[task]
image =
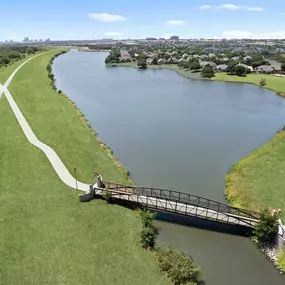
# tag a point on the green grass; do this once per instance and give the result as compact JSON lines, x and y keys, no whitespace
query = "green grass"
{"x":57,"y":123}
{"x":274,"y":83}
{"x":174,"y":67}
{"x":5,"y":72}
{"x":46,"y":235}
{"x":281,"y":260}
{"x":258,"y":180}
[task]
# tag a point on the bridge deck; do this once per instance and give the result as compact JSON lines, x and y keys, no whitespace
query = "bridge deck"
{"x":181,"y":203}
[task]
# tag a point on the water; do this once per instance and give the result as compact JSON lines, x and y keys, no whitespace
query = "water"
{"x":175,"y":133}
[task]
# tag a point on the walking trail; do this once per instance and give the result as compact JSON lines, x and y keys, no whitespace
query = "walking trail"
{"x":52,"y":156}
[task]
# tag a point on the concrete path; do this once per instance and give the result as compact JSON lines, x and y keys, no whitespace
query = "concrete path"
{"x":52,"y":156}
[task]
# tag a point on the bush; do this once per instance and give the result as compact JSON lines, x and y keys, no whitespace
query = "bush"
{"x":262,"y":82}
{"x":178,"y":266}
{"x":147,"y":218}
{"x":107,"y":196}
{"x":208,"y":72}
{"x":148,"y":237}
{"x":265,"y":232}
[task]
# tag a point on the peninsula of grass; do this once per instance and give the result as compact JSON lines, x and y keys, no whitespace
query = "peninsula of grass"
{"x":56,"y":122}
{"x":175,"y":67}
{"x":274,"y":83}
{"x":46,"y":235}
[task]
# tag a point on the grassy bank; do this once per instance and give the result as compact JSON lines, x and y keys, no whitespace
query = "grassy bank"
{"x":174,"y":67}
{"x":47,"y":236}
{"x":274,"y":83}
{"x":57,"y":124}
{"x":257,"y":181}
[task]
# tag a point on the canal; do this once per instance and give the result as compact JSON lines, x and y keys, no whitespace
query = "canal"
{"x":175,"y":133}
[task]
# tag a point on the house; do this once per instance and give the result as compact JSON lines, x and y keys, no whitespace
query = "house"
{"x":161,"y":61}
{"x":205,"y":63}
{"x":264,"y":69}
{"x":247,"y":57}
{"x":149,"y":61}
{"x":125,"y":56}
{"x":235,"y":58}
{"x":246,"y":66}
{"x":225,"y":59}
{"x":275,"y":65}
{"x":221,"y":68}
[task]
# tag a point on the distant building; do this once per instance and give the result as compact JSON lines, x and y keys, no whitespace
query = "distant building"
{"x":26,"y":40}
{"x":174,"y":38}
{"x":151,"y":39}
{"x":47,"y":40}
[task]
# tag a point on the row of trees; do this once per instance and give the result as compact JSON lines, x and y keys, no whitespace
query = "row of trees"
{"x":177,"y":265}
{"x":10,"y":54}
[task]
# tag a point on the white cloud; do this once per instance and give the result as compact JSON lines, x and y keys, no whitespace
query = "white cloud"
{"x":229,"y":7}
{"x":205,"y":7}
{"x":232,"y":7}
{"x":174,"y":22}
{"x":250,"y":35}
{"x":104,"y":17}
{"x":254,"y":8}
{"x":112,"y":34}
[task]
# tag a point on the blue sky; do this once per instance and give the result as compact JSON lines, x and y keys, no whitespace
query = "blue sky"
{"x":94,"y":19}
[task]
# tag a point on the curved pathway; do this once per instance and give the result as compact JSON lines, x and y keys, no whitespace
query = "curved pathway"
{"x":52,"y":156}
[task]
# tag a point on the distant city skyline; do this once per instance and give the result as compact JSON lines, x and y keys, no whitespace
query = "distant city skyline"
{"x":141,"y":19}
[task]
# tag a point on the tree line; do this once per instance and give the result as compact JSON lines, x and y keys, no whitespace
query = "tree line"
{"x":10,"y":54}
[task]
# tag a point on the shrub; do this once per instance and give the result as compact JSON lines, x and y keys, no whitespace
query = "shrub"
{"x":147,"y":218}
{"x":178,"y":266}
{"x":262,"y":82}
{"x":148,"y":237}
{"x":107,"y":196}
{"x":265,"y":232}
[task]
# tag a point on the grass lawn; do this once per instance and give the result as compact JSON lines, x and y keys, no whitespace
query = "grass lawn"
{"x":5,"y":72}
{"x":258,"y":180}
{"x":281,"y":260}
{"x":46,"y":235}
{"x":56,"y":123}
{"x":174,"y":67}
{"x":275,"y":83}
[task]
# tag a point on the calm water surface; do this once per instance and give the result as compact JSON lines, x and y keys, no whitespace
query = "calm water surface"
{"x":175,"y":133}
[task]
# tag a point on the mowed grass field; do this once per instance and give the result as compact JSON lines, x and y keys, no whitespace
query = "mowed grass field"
{"x":257,"y":181}
{"x":46,"y":235}
{"x":56,"y":123}
{"x":274,"y":83}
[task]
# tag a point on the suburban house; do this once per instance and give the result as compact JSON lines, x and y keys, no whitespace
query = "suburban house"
{"x":246,"y":66}
{"x":125,"y":56}
{"x":275,"y":65}
{"x":221,"y":68}
{"x":264,"y":69}
{"x":205,"y":63}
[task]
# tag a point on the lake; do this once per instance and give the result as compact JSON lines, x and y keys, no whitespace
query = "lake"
{"x":176,"y":133}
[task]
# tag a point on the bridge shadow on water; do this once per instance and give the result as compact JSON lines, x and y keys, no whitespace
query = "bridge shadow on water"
{"x":201,"y":223}
{"x":189,"y":221}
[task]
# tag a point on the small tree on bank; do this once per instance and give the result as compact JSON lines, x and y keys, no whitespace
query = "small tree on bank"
{"x":208,"y":72}
{"x":149,"y":232}
{"x":178,"y":266}
{"x":266,"y":230}
{"x":142,"y":63}
{"x":262,"y":82}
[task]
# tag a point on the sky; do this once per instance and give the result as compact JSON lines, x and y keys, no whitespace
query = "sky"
{"x":122,"y":19}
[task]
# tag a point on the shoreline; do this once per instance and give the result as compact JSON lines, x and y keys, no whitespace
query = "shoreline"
{"x":88,"y":127}
{"x":230,"y":191}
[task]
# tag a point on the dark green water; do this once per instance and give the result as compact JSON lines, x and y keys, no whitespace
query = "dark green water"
{"x":175,"y":133}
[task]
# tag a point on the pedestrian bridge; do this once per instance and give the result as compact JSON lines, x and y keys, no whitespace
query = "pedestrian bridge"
{"x":175,"y":202}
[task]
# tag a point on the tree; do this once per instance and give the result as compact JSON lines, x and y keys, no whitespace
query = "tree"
{"x":207,"y":72}
{"x":148,"y":237}
{"x":141,"y":63}
{"x":267,"y":229}
{"x":262,"y":82}
{"x":178,"y":266}
{"x":194,"y":65}
{"x":283,"y":67}
{"x":240,"y":70}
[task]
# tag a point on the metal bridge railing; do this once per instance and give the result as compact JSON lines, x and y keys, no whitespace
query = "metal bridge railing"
{"x":184,"y":198}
